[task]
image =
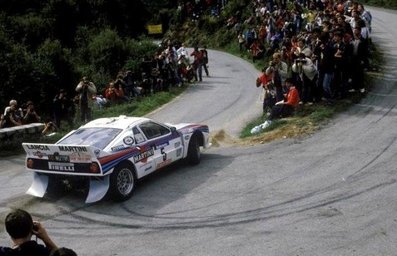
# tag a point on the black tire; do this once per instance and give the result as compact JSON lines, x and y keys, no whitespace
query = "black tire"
{"x":122,"y":182}
{"x":193,"y":152}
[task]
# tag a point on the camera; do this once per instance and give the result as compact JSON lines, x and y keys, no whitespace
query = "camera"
{"x":35,"y":227}
{"x":301,"y":60}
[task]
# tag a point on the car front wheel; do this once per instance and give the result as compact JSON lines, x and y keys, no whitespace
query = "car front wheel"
{"x":122,"y":182}
{"x":193,"y":153}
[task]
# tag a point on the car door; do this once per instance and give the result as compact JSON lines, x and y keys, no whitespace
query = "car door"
{"x":164,"y":141}
{"x":144,"y":159}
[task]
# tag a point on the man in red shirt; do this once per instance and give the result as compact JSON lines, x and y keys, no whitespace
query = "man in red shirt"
{"x":285,"y":107}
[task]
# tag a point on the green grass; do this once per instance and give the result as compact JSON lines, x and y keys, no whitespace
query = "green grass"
{"x":246,"y":132}
{"x":141,"y":106}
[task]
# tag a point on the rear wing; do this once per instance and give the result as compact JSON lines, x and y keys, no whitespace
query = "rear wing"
{"x":63,"y":159}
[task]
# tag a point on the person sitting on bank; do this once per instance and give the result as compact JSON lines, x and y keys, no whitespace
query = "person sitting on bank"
{"x":21,"y":227}
{"x":285,"y":107}
{"x":12,"y":115}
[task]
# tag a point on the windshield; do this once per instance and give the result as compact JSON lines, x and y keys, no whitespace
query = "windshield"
{"x":97,"y":137}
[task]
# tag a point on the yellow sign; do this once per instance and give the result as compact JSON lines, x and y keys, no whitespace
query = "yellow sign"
{"x":155,"y":29}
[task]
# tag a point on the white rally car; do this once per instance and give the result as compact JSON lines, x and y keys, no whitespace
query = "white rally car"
{"x":113,"y":153}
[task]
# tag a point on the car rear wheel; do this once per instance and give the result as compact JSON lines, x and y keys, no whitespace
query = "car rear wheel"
{"x":193,"y":153}
{"x":56,"y":187}
{"x":122,"y":182}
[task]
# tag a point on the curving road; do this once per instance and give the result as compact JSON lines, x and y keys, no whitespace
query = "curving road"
{"x":329,"y":194}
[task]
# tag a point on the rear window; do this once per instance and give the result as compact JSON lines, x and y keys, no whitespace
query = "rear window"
{"x":97,"y":137}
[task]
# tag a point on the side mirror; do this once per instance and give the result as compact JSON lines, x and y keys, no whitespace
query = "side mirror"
{"x":173,"y":129}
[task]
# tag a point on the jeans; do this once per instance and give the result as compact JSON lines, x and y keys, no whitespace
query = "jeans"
{"x":327,"y":82}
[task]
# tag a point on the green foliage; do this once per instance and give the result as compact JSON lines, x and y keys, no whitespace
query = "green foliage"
{"x":29,"y":29}
{"x":48,"y":45}
{"x":106,"y":51}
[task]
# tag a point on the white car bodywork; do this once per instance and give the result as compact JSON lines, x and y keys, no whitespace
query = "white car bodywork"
{"x":133,"y":147}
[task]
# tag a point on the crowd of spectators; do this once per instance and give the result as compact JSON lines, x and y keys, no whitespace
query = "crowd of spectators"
{"x":171,"y":66}
{"x":322,"y":45}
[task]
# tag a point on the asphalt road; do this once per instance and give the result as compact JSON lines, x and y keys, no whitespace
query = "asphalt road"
{"x":332,"y":193}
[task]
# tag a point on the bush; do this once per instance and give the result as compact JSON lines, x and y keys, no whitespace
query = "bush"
{"x":106,"y":51}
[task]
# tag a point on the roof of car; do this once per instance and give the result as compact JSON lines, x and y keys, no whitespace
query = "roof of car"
{"x":120,"y":122}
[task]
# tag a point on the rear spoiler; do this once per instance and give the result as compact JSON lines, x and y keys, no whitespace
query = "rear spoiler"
{"x":66,"y":160}
{"x":63,"y":159}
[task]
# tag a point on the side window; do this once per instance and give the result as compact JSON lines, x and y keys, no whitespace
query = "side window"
{"x":138,"y":136}
{"x":153,"y":130}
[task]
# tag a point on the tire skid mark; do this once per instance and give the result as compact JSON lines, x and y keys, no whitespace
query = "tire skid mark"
{"x":259,"y":214}
{"x":373,"y":159}
{"x":385,"y":114}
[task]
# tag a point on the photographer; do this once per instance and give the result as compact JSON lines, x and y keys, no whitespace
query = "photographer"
{"x":86,"y":90}
{"x":306,"y":73}
{"x":30,"y":115}
{"x":21,"y":227}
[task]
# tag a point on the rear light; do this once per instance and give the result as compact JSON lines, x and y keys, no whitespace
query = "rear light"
{"x":94,"y":168}
{"x":29,"y":163}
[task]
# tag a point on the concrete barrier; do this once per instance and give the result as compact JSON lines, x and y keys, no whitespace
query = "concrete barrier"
{"x":34,"y":128}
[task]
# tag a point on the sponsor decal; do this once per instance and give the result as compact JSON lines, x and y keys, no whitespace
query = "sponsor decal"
{"x":148,"y":168}
{"x":56,"y":166}
{"x":38,"y":147}
{"x":143,"y":156}
{"x":58,"y":158}
{"x":117,"y":148}
{"x":39,"y":154}
{"x":80,"y":158}
{"x":72,"y":149}
{"x":162,"y":164}
{"x":128,"y":140}
{"x":163,"y":145}
{"x":177,"y":144}
{"x":178,"y":152}
{"x":97,"y":152}
{"x":187,"y":137}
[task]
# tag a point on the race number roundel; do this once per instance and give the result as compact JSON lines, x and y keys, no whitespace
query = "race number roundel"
{"x":128,"y":140}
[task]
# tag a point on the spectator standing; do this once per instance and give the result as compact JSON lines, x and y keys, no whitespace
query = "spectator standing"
{"x":197,"y":64}
{"x":63,"y":108}
{"x":280,"y":66}
{"x":86,"y":90}
{"x":131,"y":89}
{"x":241,"y":41}
{"x":358,"y":56}
{"x":265,"y":80}
{"x":307,"y":75}
{"x":204,"y":52}
{"x":21,"y":227}
{"x":182,"y":51}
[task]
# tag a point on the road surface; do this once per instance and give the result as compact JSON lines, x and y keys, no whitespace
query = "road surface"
{"x":332,"y":193}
